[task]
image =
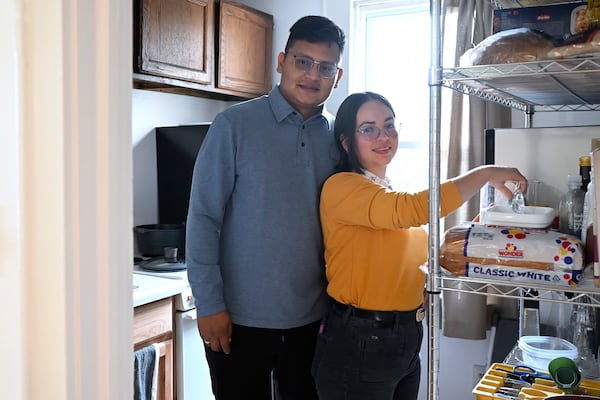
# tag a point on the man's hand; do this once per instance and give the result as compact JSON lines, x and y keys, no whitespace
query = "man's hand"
{"x":215,"y":331}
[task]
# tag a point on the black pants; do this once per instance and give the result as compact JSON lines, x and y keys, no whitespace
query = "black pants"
{"x":256,"y":353}
{"x":359,"y":359}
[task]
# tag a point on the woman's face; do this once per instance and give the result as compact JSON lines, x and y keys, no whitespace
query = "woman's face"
{"x":376,"y":136}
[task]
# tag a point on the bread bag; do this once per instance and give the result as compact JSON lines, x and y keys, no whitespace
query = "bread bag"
{"x":510,"y":46}
{"x":510,"y":253}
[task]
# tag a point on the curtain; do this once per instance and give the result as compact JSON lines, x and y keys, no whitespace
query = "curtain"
{"x":470,"y":116}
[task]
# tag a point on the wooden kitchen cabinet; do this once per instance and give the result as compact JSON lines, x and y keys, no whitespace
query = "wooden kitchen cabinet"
{"x":245,"y":43}
{"x":153,"y":324}
{"x":202,"y":48}
{"x":176,"y":39}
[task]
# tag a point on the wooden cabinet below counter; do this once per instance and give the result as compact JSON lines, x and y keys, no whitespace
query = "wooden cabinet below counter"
{"x":153,"y":324}
{"x":219,"y":50}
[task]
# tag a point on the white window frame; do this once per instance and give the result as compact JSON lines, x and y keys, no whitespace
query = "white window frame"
{"x":361,"y":11}
{"x":415,"y":148}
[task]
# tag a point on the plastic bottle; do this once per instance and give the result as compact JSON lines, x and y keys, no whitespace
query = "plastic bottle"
{"x":585,"y":168}
{"x":570,"y":209}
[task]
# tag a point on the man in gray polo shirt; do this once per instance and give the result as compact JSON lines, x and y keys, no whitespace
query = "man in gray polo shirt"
{"x":254,"y":249}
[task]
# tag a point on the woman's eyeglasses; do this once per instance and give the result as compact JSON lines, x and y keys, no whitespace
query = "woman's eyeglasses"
{"x":372,"y":132}
{"x":326,"y":70}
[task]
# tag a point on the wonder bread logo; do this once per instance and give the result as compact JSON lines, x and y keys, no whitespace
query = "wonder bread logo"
{"x":511,"y":250}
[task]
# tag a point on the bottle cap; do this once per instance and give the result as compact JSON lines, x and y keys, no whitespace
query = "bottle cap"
{"x":585,"y":161}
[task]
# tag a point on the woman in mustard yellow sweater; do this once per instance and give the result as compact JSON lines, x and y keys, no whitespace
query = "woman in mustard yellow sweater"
{"x":369,"y":345}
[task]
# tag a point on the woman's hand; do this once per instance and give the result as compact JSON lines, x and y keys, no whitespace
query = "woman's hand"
{"x":498,"y":176}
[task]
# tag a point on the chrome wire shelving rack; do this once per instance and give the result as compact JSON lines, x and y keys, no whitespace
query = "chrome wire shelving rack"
{"x":553,"y":85}
{"x":583,"y":293}
{"x":536,"y":86}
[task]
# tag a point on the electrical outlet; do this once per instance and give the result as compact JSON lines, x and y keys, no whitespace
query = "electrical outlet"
{"x":478,"y":372}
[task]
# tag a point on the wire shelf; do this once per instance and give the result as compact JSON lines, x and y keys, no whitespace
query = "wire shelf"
{"x":584,"y":293}
{"x":554,"y":85}
{"x":523,"y":3}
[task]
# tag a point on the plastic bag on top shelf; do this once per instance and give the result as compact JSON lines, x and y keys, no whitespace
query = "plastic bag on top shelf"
{"x":580,"y":44}
{"x":510,"y":46}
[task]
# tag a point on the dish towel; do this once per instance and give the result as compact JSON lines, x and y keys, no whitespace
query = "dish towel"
{"x":146,"y":373}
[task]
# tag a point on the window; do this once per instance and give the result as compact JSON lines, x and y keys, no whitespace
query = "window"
{"x":390,"y":54}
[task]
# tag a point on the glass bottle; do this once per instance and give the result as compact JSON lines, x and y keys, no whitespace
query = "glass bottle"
{"x":583,"y":339}
{"x":585,"y":167}
{"x":570,"y":209}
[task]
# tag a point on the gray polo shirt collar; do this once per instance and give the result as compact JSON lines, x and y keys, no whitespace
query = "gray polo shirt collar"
{"x":282,"y":109}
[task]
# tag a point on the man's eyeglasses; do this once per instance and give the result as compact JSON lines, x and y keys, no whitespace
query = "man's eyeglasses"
{"x":372,"y":132}
{"x":326,"y":70}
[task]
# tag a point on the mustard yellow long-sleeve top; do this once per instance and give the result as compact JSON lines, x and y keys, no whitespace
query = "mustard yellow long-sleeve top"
{"x":374,"y":242}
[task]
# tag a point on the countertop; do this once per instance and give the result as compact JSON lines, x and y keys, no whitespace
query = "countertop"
{"x":148,"y":288}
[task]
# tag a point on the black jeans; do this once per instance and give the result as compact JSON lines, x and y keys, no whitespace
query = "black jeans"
{"x":360,"y":359}
{"x":245,"y":373}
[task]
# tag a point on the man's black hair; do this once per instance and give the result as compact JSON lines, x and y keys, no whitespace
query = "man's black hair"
{"x":316,"y":29}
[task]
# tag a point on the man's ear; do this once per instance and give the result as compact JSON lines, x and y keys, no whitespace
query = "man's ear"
{"x":338,"y":77}
{"x":280,"y":60}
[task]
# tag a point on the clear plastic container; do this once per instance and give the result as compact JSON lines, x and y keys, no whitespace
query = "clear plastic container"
{"x":538,"y":351}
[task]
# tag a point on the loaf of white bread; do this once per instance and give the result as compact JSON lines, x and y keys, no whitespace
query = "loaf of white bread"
{"x":510,"y":46}
{"x":475,"y":244}
{"x":524,"y":44}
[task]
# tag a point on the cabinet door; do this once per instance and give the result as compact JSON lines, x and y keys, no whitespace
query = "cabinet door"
{"x":177,"y":39}
{"x":245,"y":41}
{"x":165,"y":373}
{"x":153,"y":324}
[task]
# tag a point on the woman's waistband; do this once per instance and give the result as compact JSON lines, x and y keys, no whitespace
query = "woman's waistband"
{"x":390,"y":317}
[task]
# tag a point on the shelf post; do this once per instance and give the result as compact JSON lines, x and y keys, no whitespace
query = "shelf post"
{"x":433,"y":279}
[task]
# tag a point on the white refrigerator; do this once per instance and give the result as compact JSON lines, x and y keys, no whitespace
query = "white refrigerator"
{"x":546,"y":156}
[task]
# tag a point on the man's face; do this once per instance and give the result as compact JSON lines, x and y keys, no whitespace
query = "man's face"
{"x":307,"y":90}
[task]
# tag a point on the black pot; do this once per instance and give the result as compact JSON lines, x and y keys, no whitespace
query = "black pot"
{"x":152,"y":239}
